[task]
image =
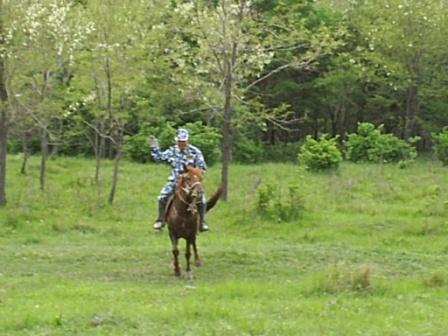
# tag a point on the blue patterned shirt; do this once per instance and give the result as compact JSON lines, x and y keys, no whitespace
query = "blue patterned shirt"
{"x":177,"y":159}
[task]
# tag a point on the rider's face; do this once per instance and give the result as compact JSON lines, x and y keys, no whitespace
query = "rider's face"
{"x":181,"y":144}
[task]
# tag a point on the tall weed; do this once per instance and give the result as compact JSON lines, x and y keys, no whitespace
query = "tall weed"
{"x":274,"y":204}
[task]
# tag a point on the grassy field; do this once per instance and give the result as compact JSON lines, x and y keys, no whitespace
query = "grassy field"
{"x":368,"y":256}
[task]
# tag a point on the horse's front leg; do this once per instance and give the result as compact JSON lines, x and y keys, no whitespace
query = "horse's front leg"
{"x":187,"y":256}
{"x":197,"y":259}
{"x":175,"y":251}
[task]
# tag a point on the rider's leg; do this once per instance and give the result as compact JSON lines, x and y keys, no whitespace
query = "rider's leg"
{"x":202,"y":209}
{"x":163,"y":198}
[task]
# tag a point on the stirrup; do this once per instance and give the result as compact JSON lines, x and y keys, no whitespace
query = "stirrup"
{"x":203,"y":227}
{"x":158,"y":225}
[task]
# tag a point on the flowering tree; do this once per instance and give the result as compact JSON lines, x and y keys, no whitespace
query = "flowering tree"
{"x":125,"y":43}
{"x":51,"y":32}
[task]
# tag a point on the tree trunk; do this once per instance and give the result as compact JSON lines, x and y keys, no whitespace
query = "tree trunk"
{"x":3,"y":140}
{"x":3,"y":121}
{"x":334,"y":120}
{"x":44,"y":156}
{"x":98,"y":149}
{"x":25,"y":152}
{"x":315,"y":125}
{"x":411,"y":111}
{"x":116,"y":167}
{"x":111,"y":153}
{"x":341,"y":125}
{"x":227,"y":131}
{"x":56,"y":146}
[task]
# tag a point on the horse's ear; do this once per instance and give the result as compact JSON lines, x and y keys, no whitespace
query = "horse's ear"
{"x":188,"y":167}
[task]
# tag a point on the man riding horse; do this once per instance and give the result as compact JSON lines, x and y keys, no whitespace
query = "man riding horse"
{"x":178,"y":156}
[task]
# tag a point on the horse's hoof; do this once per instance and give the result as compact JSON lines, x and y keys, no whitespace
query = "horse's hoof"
{"x":177,"y":273}
{"x":198,"y":262}
{"x":190,"y":275}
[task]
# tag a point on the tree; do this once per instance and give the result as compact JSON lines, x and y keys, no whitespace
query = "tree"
{"x":403,"y":38}
{"x":111,"y":72}
{"x":51,"y":33}
{"x":3,"y":109}
{"x":235,"y":44}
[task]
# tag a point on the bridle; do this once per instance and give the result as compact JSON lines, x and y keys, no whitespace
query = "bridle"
{"x":189,"y":190}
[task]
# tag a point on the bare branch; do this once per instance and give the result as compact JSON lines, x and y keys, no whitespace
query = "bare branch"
{"x":281,"y":123}
{"x":105,"y":136}
{"x":283,"y":67}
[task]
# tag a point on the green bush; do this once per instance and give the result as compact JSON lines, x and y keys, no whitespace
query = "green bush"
{"x":320,"y":154}
{"x":441,"y":146}
{"x":273,"y":204}
{"x":369,"y":144}
{"x":206,"y":138}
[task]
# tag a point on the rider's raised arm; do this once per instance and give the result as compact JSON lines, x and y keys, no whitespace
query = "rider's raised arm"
{"x":166,"y":155}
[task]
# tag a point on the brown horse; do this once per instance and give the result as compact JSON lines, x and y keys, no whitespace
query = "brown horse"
{"x":182,"y":215}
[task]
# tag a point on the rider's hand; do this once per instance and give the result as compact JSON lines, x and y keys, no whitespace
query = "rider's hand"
{"x":153,"y":142}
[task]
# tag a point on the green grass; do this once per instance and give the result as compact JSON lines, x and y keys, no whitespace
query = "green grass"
{"x":367,"y":256}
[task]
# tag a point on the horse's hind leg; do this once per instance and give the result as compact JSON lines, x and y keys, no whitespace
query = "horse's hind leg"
{"x":197,"y":259}
{"x":175,"y":256}
{"x":187,"y":256}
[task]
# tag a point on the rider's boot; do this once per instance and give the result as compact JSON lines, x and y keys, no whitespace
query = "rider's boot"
{"x":159,"y":223}
{"x":202,"y":209}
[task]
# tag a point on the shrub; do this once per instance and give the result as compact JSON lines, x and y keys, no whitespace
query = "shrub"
{"x":273,"y":204}
{"x":136,"y":146}
{"x":320,"y":154}
{"x":371,"y":145}
{"x":441,"y":146}
{"x":204,"y":137}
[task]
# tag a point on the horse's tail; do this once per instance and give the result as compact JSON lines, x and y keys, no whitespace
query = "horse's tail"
{"x":214,"y":199}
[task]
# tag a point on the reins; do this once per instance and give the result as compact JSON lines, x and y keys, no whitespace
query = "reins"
{"x":187,"y":190}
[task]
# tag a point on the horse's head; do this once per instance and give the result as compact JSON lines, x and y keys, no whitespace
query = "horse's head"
{"x":189,"y":185}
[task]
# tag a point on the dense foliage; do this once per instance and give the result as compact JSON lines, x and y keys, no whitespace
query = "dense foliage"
{"x":320,"y":154}
{"x":370,"y":144}
{"x":156,"y":75}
